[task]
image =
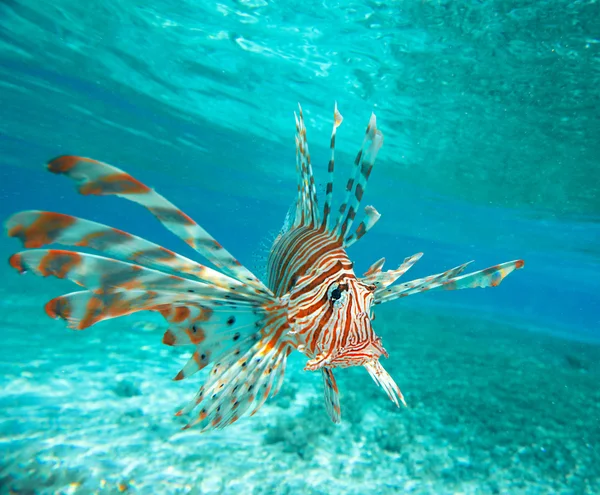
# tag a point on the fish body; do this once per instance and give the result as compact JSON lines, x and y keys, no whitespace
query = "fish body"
{"x":312,"y":300}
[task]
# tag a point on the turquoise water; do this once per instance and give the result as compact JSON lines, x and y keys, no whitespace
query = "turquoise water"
{"x":490,"y":117}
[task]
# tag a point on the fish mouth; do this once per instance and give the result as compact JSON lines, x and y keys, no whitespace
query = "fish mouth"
{"x":371,"y":363}
{"x":362,"y":345}
{"x":345,"y":358}
{"x":358,"y":355}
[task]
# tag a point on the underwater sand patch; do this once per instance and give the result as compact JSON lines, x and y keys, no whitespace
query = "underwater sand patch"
{"x":491,"y":409}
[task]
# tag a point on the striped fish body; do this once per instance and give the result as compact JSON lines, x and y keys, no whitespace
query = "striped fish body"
{"x":328,"y":308}
{"x":241,"y":328}
{"x":296,"y":252}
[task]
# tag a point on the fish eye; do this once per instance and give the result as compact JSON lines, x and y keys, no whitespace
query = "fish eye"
{"x":336,"y":290}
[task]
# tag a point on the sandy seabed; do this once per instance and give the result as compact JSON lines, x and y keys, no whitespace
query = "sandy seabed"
{"x":492,"y":408}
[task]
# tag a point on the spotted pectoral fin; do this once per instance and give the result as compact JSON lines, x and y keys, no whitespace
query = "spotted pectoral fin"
{"x":241,"y":379}
{"x":85,"y":308}
{"x":213,"y":331}
{"x":332,"y":395}
{"x":223,"y":336}
{"x":98,"y":178}
{"x":100,"y":273}
{"x":184,"y":311}
{"x":452,"y":280}
{"x":37,"y":229}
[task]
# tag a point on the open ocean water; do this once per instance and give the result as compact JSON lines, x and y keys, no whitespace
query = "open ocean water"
{"x":491,"y":116}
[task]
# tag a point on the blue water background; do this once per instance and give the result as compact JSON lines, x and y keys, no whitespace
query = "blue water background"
{"x":491,"y":148}
{"x":489,"y":111}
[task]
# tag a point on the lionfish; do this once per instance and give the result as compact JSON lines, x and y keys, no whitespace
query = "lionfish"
{"x":312,"y":301}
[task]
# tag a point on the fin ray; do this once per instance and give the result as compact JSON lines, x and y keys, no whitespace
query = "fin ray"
{"x":307,"y":211}
{"x":97,"y":178}
{"x":381,"y":280}
{"x":357,"y":184}
{"x":337,"y":121}
{"x":332,"y":395}
{"x":106,"y":274}
{"x":489,"y":277}
{"x":37,"y":229}
{"x":382,"y":378}
{"x":372,"y":216}
{"x":241,"y":378}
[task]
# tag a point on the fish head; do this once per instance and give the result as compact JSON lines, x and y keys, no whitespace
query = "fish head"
{"x":355,"y":342}
{"x":334,"y":323}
